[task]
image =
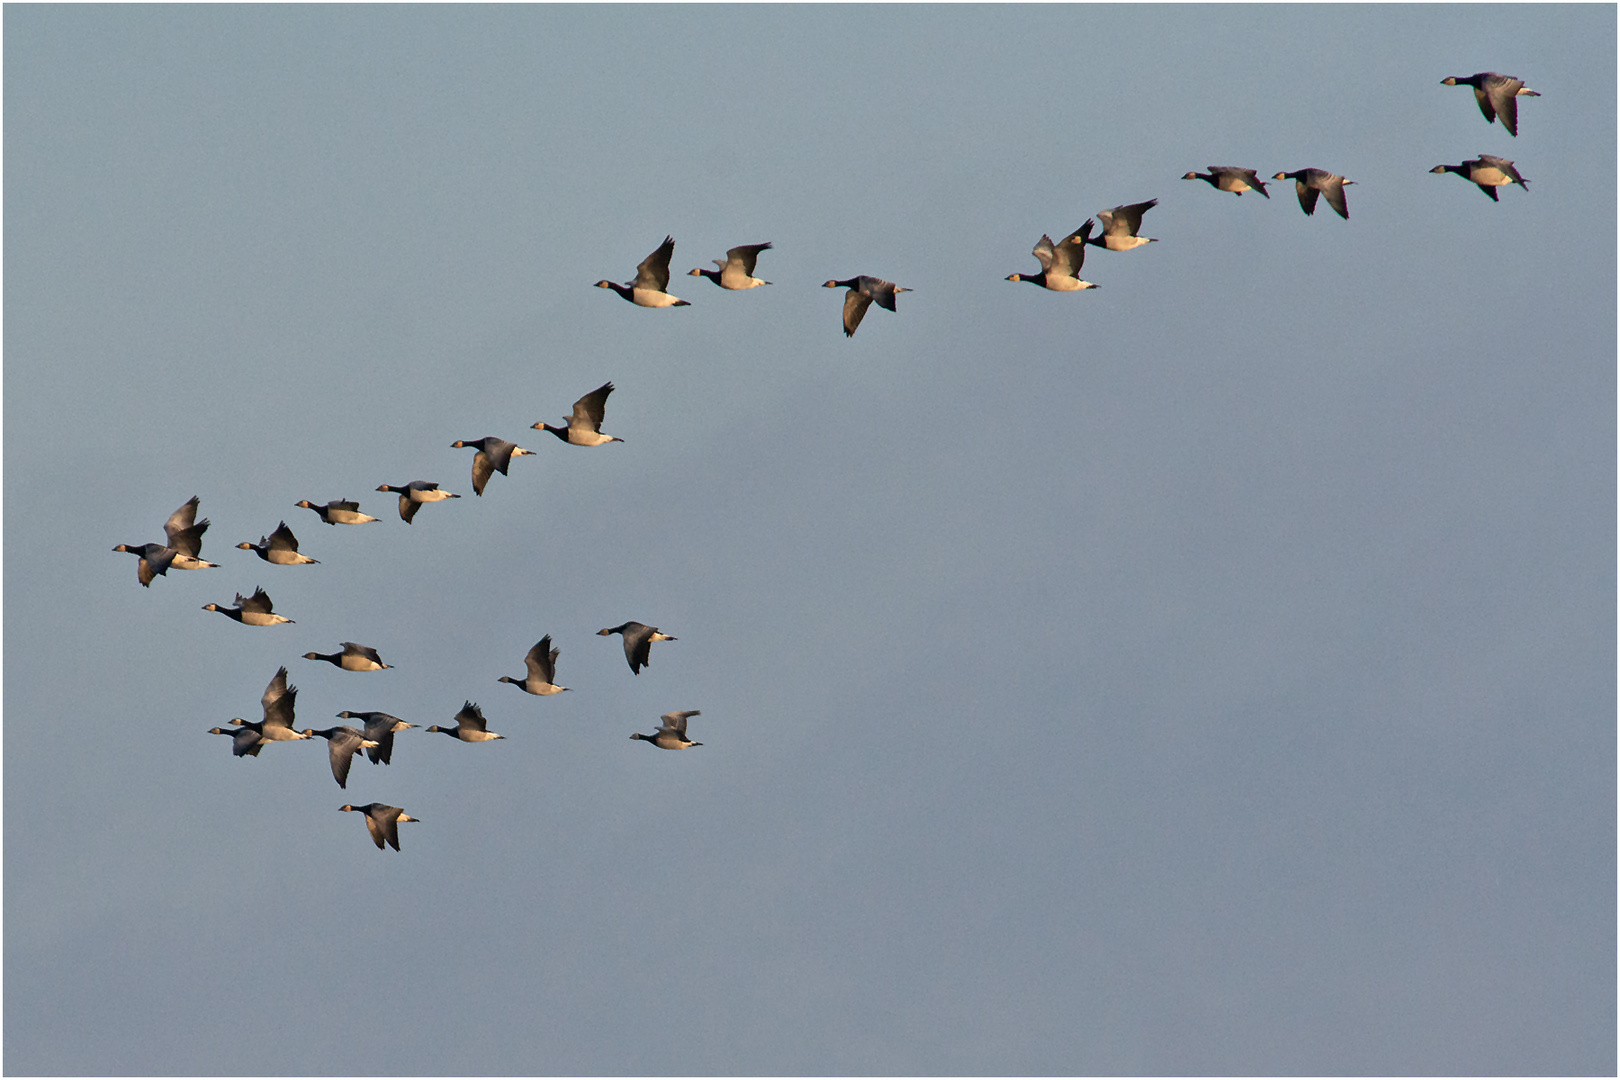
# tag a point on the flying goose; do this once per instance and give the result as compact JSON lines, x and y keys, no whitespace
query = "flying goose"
{"x":244,"y":740}
{"x":342,"y":743}
{"x":154,"y":559}
{"x":1498,"y":96}
{"x":338,"y":512}
{"x":1120,"y":225}
{"x":281,"y":548}
{"x":1230,"y":178}
{"x":737,"y":270}
{"x":1060,"y":263}
{"x":469,"y":726}
{"x":862,"y":291}
{"x":383,"y":821}
{"x":1488,"y":172}
{"x":542,"y":665}
{"x":352,"y":658}
{"x":277,"y":703}
{"x":671,"y":734}
{"x":494,"y":455}
{"x":414,"y":494}
{"x":252,"y":610}
{"x":638,"y":639}
{"x":185,"y":536}
{"x":1309,"y":183}
{"x":380,"y":728}
{"x":584,"y":427}
{"x":652,"y":278}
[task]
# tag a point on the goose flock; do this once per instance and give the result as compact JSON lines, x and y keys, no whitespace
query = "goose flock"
{"x":1060,"y":266}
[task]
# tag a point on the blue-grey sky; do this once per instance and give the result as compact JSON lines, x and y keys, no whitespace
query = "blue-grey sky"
{"x":1211,"y":672}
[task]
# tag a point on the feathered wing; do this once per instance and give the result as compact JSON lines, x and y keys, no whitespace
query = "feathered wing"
{"x":745,"y":256}
{"x":542,"y":660}
{"x":1125,"y":220}
{"x":482,"y":469}
{"x":590,"y":409}
{"x":182,"y":518}
{"x":259,"y":604}
{"x":1044,"y":252}
{"x":471,"y":717}
{"x":283,"y":539}
{"x":676,"y":721}
{"x":855,"y":305}
{"x":279,"y":699}
{"x":653,"y":271}
{"x":1333,"y":188}
{"x":1307,"y":197}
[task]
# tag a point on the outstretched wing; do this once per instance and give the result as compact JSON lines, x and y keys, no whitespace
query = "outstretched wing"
{"x":653,"y":271}
{"x":589,"y":410}
{"x":676,"y":721}
{"x":542,"y":660}
{"x":182,"y":518}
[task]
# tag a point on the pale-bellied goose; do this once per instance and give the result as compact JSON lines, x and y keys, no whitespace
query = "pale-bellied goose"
{"x":737,"y":270}
{"x":1119,"y":227}
{"x":155,"y":559}
{"x":252,"y":610}
{"x":352,"y":658}
{"x":185,"y":536}
{"x":338,"y":512}
{"x":383,"y":821}
{"x":1061,"y":263}
{"x":542,"y":665}
{"x":1309,"y":183}
{"x":652,"y":278}
{"x":280,"y":547}
{"x":244,"y":740}
{"x":863,"y":291}
{"x":638,"y":639}
{"x":1230,"y":178}
{"x":494,"y":455}
{"x":469,"y":726}
{"x":584,"y":428}
{"x":671,"y":734}
{"x":342,"y":743}
{"x":1488,"y":172}
{"x":414,"y":494}
{"x":380,"y":728}
{"x":277,"y":703}
{"x":1498,"y":96}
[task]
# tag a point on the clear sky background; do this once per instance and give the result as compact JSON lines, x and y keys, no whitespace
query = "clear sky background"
{"x":1212,"y":672}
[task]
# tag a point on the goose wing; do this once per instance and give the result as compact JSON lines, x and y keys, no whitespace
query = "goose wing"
{"x":676,"y":721}
{"x":653,"y":271}
{"x":744,"y":256}
{"x":1125,"y":220}
{"x":365,"y":651}
{"x":188,"y":541}
{"x":1333,"y":188}
{"x":471,"y":717}
{"x":279,"y":701}
{"x":283,"y":539}
{"x":589,"y":410}
{"x":245,"y":742}
{"x":482,"y":469}
{"x":1070,"y":255}
{"x":259,"y":604}
{"x":1045,"y":252}
{"x":155,"y":560}
{"x":1307,"y":196}
{"x":542,"y":660}
{"x":182,"y":518}
{"x":855,"y":304}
